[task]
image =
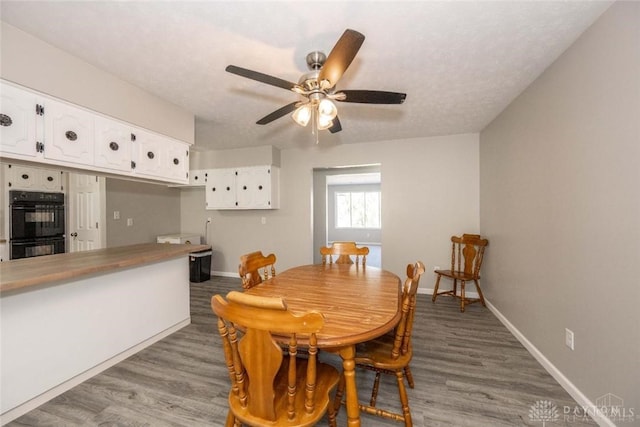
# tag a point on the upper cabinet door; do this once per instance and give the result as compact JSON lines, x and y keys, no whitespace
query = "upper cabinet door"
{"x":148,"y":153}
{"x":177,"y":161}
{"x":113,"y":145}
{"x":68,"y":132}
{"x":221,"y":189}
{"x":17,"y":121}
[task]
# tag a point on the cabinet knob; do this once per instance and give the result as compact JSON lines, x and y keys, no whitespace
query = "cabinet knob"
{"x":213,"y":189}
{"x":71,"y":135}
{"x":244,"y":187}
{"x":25,"y":176}
{"x":49,"y":178}
{"x":259,"y":187}
{"x":114,"y":145}
{"x":150,"y":154}
{"x":228,"y":188}
{"x":176,"y":161}
{"x":5,"y":120}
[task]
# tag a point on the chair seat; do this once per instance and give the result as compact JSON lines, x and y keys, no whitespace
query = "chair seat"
{"x":458,"y":275}
{"x":327,"y":379}
{"x":378,"y":353}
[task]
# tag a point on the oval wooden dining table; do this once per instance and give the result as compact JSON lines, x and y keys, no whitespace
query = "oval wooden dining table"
{"x":359,"y":303}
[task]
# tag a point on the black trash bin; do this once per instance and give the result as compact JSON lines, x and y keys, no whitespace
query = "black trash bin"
{"x":199,"y":266}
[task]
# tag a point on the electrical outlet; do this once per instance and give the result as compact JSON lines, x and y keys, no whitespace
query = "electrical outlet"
{"x":568,"y":338}
{"x":264,"y":220}
{"x":129,"y":222}
{"x":436,"y":267}
{"x":116,"y":214}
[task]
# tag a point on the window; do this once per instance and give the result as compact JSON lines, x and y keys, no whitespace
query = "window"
{"x":358,"y":209}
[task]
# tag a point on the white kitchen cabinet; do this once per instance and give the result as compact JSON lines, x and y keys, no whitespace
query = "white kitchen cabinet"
{"x":198,"y":177}
{"x":253,"y":187}
{"x":68,"y":133}
{"x":160,"y":157}
{"x":113,"y":145}
{"x":177,"y":160}
{"x":42,"y":129}
{"x":29,"y":178}
{"x":148,"y":154}
{"x":18,"y":121}
{"x":220,"y":189}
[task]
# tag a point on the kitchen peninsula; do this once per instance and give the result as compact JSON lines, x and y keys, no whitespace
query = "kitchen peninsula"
{"x":66,"y":317}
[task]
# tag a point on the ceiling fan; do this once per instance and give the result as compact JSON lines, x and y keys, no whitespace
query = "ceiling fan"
{"x":318,"y":87}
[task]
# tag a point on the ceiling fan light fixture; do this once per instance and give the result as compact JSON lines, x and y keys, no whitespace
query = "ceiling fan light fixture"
{"x":324,"y":122}
{"x":328,"y":109}
{"x":302,"y":115}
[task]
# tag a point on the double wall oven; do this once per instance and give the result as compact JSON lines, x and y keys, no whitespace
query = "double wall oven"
{"x":37,"y":223}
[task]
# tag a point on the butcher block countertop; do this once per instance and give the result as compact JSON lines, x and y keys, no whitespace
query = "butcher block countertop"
{"x":23,"y":273}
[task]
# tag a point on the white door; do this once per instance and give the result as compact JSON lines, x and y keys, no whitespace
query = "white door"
{"x":86,"y":228}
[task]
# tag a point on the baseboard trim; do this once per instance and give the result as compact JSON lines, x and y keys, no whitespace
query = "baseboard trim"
{"x":564,"y":382}
{"x":225,"y":274}
{"x":32,"y":404}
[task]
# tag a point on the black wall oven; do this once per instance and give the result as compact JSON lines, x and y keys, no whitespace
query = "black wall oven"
{"x":37,"y":223}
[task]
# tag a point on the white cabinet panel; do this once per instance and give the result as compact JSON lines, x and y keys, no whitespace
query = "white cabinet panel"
{"x":254,"y":187}
{"x":17,"y":121}
{"x":148,"y":151}
{"x":113,"y":145}
{"x":177,"y":160}
{"x":198,"y":177}
{"x":68,"y":133}
{"x":21,"y":177}
{"x":221,"y":189}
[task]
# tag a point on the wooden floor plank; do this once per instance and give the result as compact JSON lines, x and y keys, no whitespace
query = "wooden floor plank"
{"x":469,"y":371}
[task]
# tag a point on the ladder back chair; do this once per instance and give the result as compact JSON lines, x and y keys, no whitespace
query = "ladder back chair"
{"x":391,"y":353}
{"x":269,"y":388}
{"x":342,"y":251}
{"x":467,"y":253}
{"x":255,"y":267}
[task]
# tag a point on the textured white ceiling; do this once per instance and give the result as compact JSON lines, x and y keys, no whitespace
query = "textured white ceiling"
{"x":460,"y":63}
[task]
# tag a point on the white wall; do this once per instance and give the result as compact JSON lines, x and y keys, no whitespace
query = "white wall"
{"x":561,"y":207}
{"x":430,"y":191}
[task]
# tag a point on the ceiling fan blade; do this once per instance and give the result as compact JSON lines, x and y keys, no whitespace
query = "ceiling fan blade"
{"x":263,"y":78}
{"x":336,"y":127}
{"x":278,"y":113}
{"x":340,"y":58}
{"x":372,"y":97}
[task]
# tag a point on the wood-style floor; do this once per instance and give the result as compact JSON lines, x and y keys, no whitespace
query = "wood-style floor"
{"x":469,"y":371}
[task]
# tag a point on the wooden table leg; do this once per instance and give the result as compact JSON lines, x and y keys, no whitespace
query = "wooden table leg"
{"x":348,"y":366}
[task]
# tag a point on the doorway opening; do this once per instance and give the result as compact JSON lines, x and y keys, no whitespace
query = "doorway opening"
{"x":347,"y":207}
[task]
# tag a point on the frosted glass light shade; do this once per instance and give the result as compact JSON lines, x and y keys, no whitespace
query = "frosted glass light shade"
{"x":302,"y":115}
{"x":327,"y":108}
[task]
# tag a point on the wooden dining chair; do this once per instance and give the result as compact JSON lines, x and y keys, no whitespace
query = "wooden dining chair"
{"x":343,"y":252}
{"x":467,"y":253}
{"x":255,"y":267}
{"x":269,"y":388}
{"x":391,"y":353}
